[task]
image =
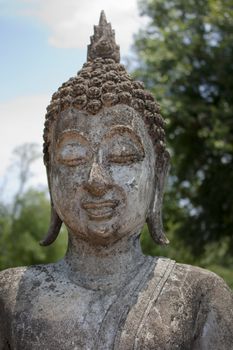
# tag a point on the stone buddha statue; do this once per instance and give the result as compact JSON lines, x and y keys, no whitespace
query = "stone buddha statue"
{"x":106,"y":161}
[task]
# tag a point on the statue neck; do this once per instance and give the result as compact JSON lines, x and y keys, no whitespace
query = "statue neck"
{"x":103,"y":267}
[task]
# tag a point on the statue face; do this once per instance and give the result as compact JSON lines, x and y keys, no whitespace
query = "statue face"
{"x":102,"y":172}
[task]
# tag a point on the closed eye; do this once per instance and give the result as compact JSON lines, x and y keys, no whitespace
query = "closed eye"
{"x":73,"y":149}
{"x":124,"y":158}
{"x":73,"y":154}
{"x":123,"y":146}
{"x":122,"y":151}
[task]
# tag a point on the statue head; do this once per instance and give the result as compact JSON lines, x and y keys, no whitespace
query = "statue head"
{"x":104,"y":150}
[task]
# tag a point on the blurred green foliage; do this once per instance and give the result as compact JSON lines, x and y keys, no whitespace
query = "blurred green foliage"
{"x":185,"y":57}
{"x":20,"y":234}
{"x":24,"y":219}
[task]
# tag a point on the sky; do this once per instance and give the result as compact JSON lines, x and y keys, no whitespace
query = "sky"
{"x":43,"y":44}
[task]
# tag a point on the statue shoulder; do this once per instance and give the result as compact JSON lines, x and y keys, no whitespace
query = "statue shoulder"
{"x":205,"y":280}
{"x":214,"y":301}
{"x":17,"y":286}
{"x":20,"y":280}
{"x":9,"y":281}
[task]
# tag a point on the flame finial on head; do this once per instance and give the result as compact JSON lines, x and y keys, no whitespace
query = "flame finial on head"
{"x":103,"y":42}
{"x":103,"y":19}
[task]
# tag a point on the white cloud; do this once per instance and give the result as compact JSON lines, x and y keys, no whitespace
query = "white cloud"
{"x":71,"y":21}
{"x":22,"y":121}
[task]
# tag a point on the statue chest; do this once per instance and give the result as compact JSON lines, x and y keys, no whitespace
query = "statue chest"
{"x":65,"y":318}
{"x":87,"y":324}
{"x":145,"y":314}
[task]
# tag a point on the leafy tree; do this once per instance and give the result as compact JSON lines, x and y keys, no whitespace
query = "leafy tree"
{"x":20,"y":235}
{"x":185,"y":56}
{"x":24,"y":221}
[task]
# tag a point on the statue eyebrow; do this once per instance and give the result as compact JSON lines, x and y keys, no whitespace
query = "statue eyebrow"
{"x":122,"y":129}
{"x":75,"y":134}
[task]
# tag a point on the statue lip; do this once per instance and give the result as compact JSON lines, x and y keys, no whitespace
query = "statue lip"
{"x":100,"y":210}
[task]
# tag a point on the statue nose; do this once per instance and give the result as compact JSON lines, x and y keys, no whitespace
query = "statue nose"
{"x":99,"y":181}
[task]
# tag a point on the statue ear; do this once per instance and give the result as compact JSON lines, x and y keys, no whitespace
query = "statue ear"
{"x":55,"y":222}
{"x":154,"y":217}
{"x":54,"y":228}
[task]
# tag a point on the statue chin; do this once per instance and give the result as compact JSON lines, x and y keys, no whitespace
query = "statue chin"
{"x":107,"y":230}
{"x":104,"y":232}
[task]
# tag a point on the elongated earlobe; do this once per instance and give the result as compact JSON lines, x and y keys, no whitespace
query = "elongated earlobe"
{"x":154,"y":218}
{"x":55,"y":221}
{"x":54,"y":228}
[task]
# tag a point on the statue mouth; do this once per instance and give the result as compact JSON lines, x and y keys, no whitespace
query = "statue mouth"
{"x":100,"y":210}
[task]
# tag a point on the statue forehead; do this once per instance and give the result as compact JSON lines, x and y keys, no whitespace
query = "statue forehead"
{"x":97,"y":125}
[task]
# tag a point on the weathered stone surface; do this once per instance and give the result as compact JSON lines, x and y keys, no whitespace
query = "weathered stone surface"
{"x":106,"y":162}
{"x":163,"y":306}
